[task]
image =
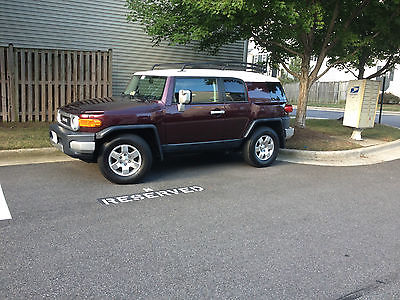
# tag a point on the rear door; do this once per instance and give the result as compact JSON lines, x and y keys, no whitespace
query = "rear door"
{"x":203,"y":118}
{"x":237,"y":107}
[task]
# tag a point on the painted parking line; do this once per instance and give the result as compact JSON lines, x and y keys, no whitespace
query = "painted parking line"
{"x":4,"y":211}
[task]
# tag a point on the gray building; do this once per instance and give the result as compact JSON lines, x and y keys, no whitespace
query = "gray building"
{"x":94,"y":25}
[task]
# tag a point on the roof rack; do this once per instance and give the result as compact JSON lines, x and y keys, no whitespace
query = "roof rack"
{"x":226,"y":65}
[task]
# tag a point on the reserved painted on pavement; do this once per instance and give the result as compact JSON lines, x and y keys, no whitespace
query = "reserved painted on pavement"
{"x":150,"y":194}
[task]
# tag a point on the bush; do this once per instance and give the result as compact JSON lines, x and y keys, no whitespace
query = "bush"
{"x":389,"y":98}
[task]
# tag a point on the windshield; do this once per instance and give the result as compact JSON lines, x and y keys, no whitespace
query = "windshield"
{"x":144,"y":87}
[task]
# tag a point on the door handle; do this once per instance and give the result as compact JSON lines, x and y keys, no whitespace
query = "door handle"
{"x":217,"y":112}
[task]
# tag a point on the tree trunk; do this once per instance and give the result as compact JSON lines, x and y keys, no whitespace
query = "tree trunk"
{"x":304,"y":89}
{"x":361,"y":71}
{"x":362,"y":61}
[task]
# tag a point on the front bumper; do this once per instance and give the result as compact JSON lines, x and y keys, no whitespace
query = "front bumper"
{"x":74,"y":144}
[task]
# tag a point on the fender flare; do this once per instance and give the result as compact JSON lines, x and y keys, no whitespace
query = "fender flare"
{"x":282,"y":123}
{"x":113,"y":129}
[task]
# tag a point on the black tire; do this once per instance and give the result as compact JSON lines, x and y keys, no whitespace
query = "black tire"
{"x":262,"y":148}
{"x":120,"y":163}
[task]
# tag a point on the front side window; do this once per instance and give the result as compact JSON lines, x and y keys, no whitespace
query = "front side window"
{"x":144,"y":87}
{"x":204,"y":90}
{"x":266,"y":91}
{"x":234,"y":90}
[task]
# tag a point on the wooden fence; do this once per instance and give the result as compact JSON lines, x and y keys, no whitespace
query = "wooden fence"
{"x":320,"y":92}
{"x":35,"y":82}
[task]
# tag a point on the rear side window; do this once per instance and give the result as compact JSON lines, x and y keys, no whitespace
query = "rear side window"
{"x":204,"y":90}
{"x":234,"y":90}
{"x":266,"y":91}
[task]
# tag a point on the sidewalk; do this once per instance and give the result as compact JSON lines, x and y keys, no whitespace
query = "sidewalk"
{"x":363,"y":156}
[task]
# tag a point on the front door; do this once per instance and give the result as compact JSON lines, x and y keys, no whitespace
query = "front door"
{"x":203,"y":118}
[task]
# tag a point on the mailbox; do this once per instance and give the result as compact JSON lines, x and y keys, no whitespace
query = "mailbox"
{"x":361,"y":103}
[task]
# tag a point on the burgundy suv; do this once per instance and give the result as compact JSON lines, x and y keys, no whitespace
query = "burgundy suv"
{"x":175,"y":110}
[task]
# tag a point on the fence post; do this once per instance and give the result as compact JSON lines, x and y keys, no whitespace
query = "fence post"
{"x":93,"y":75}
{"x":56,"y":79}
{"x":50,"y":86}
{"x":62,"y":78}
{"x":74,"y":76}
{"x":110,"y":72}
{"x":23,"y":86}
{"x":29,"y":85}
{"x":43,"y":84}
{"x":87,"y":77}
{"x":81,"y":78}
{"x":98,"y":71}
{"x":3,"y":80}
{"x":105,"y":75}
{"x":11,"y":83}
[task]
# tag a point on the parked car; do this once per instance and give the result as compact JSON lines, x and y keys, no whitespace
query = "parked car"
{"x":176,"y":110}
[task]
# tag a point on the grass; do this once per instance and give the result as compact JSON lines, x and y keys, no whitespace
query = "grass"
{"x":331,"y":135}
{"x":318,"y":135}
{"x":24,"y":135}
{"x":390,"y":107}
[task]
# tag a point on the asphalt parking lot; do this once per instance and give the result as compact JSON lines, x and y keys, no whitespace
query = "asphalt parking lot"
{"x":221,"y":229}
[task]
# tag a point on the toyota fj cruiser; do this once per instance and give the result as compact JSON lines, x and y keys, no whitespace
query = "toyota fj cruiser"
{"x":190,"y":108}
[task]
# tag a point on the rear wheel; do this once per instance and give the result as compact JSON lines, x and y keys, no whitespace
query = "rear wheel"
{"x":126,"y":159}
{"x":262,"y":148}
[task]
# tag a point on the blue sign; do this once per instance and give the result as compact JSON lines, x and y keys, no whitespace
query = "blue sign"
{"x":354,"y":90}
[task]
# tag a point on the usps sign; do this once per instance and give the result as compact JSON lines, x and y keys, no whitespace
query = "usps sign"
{"x":354,"y":90}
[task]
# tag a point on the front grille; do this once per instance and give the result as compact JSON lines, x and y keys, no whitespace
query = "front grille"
{"x":64,"y":119}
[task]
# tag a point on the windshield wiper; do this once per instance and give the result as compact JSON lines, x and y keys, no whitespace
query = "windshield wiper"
{"x":138,"y":97}
{"x":126,"y":95}
{"x":133,"y":97}
{"x":145,"y":98}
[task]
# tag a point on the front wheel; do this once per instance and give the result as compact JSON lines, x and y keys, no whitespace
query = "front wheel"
{"x":262,"y":148}
{"x":126,"y":159}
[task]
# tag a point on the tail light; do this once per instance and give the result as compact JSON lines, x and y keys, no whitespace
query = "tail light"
{"x":288,"y":108}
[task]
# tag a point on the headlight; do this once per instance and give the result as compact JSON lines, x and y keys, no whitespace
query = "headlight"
{"x":75,"y":123}
{"x":58,"y":116}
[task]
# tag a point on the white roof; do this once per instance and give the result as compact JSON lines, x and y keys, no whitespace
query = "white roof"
{"x":245,"y":76}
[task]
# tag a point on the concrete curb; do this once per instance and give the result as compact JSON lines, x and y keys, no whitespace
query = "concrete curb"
{"x":31,"y":156}
{"x":333,"y":155}
{"x":362,"y":156}
{"x":31,"y":151}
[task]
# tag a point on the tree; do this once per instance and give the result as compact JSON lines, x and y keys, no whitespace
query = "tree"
{"x":374,"y":37}
{"x":308,"y":29}
{"x":294,"y":66}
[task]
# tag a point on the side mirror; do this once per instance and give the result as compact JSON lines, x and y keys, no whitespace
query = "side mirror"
{"x":185,"y":97}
